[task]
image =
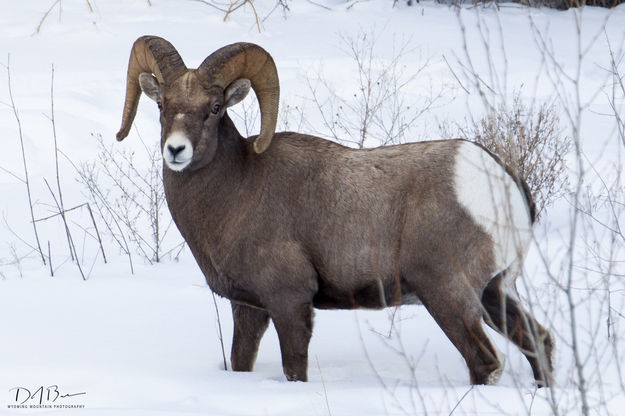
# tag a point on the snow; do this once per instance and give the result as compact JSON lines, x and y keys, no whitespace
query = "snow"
{"x":148,"y":343}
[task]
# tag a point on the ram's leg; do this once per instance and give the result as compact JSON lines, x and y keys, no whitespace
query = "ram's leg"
{"x":249,"y":326}
{"x":457,"y":310}
{"x":294,"y":326}
{"x":504,"y":314}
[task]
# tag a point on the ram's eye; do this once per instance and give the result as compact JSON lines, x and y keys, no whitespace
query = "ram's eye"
{"x":215,"y":109}
{"x":160,"y":105}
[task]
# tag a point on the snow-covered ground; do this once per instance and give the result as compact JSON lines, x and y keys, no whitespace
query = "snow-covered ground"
{"x":148,"y":343}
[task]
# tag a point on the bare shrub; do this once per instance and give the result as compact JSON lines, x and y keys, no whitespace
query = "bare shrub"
{"x":378,"y":111}
{"x":228,"y":7}
{"x":130,"y":200}
{"x":89,"y":3}
{"x":529,"y":140}
{"x":25,"y":180}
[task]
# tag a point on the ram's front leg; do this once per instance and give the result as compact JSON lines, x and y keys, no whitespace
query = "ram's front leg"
{"x":249,"y":326}
{"x":293,"y":323}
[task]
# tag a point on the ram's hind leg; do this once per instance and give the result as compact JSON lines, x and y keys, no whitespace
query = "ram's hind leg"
{"x":505,"y":314}
{"x":459,"y":314}
{"x":249,"y":326}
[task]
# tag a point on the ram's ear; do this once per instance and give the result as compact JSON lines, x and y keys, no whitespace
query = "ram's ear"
{"x":149,"y":85}
{"x":237,"y":91}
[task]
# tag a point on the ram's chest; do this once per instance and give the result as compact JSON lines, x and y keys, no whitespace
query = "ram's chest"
{"x":212,"y":230}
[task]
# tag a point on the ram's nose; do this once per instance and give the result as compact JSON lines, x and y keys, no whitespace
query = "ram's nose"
{"x":175,"y":150}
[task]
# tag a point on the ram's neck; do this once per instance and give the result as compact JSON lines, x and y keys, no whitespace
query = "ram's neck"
{"x":210,"y":204}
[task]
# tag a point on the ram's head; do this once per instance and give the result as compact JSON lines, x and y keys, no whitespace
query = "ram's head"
{"x":193,"y":101}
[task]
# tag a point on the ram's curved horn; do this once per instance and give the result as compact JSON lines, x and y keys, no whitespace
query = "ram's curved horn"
{"x":154,"y":55}
{"x":247,"y":60}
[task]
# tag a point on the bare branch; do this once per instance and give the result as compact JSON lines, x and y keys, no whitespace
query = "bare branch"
{"x":26,"y":181}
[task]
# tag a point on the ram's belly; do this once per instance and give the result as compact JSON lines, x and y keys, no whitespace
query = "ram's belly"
{"x":370,"y":294}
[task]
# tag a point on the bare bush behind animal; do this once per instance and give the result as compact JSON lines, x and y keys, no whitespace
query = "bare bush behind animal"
{"x":377,"y":110}
{"x":529,"y":140}
{"x":130,"y":200}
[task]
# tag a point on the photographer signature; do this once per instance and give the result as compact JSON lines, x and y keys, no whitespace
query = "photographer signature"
{"x":41,"y":395}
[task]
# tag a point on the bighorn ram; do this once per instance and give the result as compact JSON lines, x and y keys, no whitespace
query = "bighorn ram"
{"x":309,"y":223}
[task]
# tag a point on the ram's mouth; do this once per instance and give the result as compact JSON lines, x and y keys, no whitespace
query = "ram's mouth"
{"x":179,"y":161}
{"x":177,"y":164}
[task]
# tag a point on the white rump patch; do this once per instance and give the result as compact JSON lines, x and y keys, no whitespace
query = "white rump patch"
{"x":494,"y":201}
{"x":182,"y":153}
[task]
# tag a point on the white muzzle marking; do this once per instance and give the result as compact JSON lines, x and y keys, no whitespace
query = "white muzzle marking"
{"x":177,"y":151}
